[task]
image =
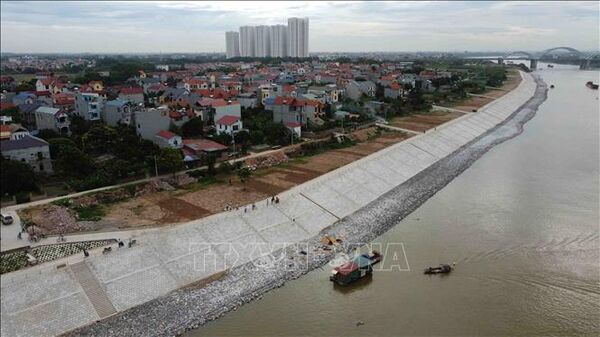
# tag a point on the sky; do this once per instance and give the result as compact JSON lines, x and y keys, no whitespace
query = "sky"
{"x":167,"y":27}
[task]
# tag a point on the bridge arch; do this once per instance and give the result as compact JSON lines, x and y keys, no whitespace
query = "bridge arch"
{"x":519,"y":53}
{"x":592,"y":56}
{"x":572,"y":50}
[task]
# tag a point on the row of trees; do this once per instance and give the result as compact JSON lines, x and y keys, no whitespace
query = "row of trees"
{"x":101,"y":155}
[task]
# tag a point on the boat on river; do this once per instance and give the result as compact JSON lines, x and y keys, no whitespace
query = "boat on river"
{"x":359,"y":267}
{"x":441,"y":269}
{"x":591,"y":85}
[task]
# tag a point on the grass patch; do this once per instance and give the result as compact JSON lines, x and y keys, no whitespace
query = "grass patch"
{"x":65,"y":202}
{"x":90,"y":213}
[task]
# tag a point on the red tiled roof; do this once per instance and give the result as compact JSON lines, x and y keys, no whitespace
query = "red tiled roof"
{"x":228,"y":120}
{"x":132,"y":90}
{"x":196,"y":81}
{"x":166,"y":134}
{"x":6,"y":79}
{"x":63,"y":98}
{"x":6,"y":105}
{"x":395,"y":86}
{"x":4,"y":128}
{"x":219,"y":102}
{"x":293,"y":124}
{"x":47,"y":81}
{"x":42,"y":93}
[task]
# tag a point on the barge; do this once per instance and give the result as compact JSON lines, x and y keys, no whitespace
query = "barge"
{"x":359,"y":267}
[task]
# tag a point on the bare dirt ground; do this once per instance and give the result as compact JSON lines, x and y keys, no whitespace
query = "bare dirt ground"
{"x":162,"y":208}
{"x":474,"y":103}
{"x":424,"y":122}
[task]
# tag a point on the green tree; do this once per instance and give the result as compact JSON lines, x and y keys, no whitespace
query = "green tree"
{"x":242,"y":140}
{"x":193,"y":128}
{"x":57,"y":144}
{"x":169,"y":160}
{"x":16,"y":177}
{"x":171,"y":82}
{"x":14,"y":113}
{"x":100,"y":139}
{"x":47,"y":134}
{"x":244,"y":174}
{"x":210,"y":161}
{"x":276,"y":134}
{"x":71,"y":162}
{"x":174,"y":128}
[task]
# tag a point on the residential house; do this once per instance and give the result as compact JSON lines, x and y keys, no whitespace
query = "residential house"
{"x":5,"y":131}
{"x":296,"y":110}
{"x":247,"y":100}
{"x":96,"y":86}
{"x":355,"y":89}
{"x":24,"y":98}
{"x":211,"y":110}
{"x":12,"y":131}
{"x":64,"y":101}
{"x":198,"y":149}
{"x":28,"y":112}
{"x":28,"y":149}
{"x":17,"y":131}
{"x":134,"y":95}
{"x":165,"y":138}
{"x":149,"y":122}
{"x":394,"y":91}
{"x":196,"y":83}
{"x":45,"y":84}
{"x":228,"y":124}
{"x":329,"y":93}
{"x":88,"y":105}
{"x":117,"y":112}
{"x":47,"y":118}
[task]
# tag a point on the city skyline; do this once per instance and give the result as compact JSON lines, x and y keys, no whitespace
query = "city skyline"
{"x":122,"y":27}
{"x":279,"y":40}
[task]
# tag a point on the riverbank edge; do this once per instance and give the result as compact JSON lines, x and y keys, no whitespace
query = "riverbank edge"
{"x":188,"y":308}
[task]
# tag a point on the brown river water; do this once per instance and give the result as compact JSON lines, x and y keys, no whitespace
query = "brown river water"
{"x":522,"y":225}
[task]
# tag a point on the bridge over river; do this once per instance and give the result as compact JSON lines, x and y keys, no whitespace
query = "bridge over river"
{"x":584,"y":58}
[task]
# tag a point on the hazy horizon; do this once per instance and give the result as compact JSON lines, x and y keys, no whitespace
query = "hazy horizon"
{"x":199,"y":27}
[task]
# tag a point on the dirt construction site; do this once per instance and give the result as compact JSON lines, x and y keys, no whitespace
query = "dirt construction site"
{"x":152,"y":206}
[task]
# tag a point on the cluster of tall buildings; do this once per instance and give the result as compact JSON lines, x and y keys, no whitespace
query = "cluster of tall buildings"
{"x":269,"y":41}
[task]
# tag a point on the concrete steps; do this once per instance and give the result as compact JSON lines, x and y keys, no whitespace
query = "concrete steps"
{"x":93,"y":290}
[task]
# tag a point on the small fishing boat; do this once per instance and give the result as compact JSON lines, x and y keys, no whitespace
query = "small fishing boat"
{"x":441,"y":269}
{"x":551,"y":86}
{"x":550,"y":66}
{"x":359,"y":267}
{"x":591,"y":85}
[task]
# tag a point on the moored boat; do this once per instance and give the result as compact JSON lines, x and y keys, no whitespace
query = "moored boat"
{"x":359,"y":267}
{"x":591,"y":85}
{"x":441,"y":269}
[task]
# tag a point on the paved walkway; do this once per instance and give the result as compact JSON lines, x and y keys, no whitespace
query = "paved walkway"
{"x":395,"y":128}
{"x":439,"y":107}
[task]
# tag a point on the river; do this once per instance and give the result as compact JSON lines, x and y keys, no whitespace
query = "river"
{"x":521,"y":223}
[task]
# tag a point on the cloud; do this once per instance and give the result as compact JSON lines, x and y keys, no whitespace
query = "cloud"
{"x":181,"y":26}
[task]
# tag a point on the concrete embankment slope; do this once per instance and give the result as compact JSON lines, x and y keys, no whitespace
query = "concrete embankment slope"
{"x":49,"y":301}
